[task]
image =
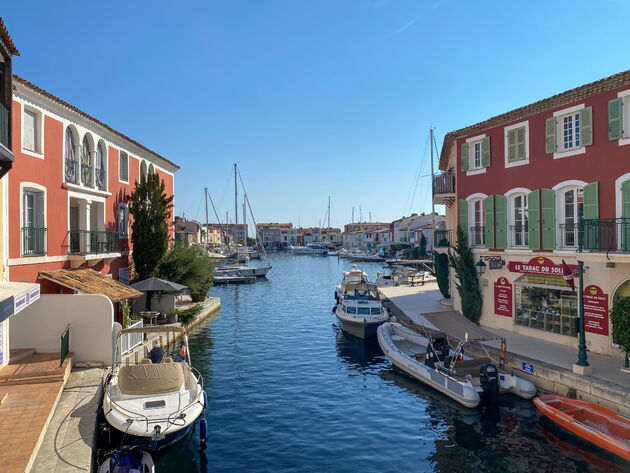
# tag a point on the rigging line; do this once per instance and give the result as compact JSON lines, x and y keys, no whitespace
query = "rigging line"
{"x":228,"y":182}
{"x":415,"y":189}
{"x":410,"y":197}
{"x":220,"y":224}
{"x":437,"y":153}
{"x":258,"y":236}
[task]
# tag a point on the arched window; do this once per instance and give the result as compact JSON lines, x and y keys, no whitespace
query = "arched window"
{"x":518,"y":220}
{"x":143,"y":169}
{"x":86,"y":162}
{"x":71,"y":161}
{"x":151,"y":169}
{"x":101,"y":169}
{"x":477,"y":222}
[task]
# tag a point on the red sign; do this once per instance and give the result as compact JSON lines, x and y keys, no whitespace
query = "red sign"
{"x":595,"y":310}
{"x":503,"y":297}
{"x":540,"y":265}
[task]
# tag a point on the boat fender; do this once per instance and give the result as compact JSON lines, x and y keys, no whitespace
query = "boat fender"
{"x":334,"y":309}
{"x":203,"y":432}
{"x":489,"y":379}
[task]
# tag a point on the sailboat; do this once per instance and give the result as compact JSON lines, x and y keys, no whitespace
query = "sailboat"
{"x":239,"y":270}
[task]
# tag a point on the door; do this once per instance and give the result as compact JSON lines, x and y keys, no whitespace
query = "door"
{"x":75,"y":236}
{"x":28,"y":235}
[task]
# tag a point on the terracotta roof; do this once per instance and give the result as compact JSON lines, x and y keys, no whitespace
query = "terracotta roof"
{"x":7,"y":40}
{"x":579,"y":93}
{"x":89,"y":281}
{"x":89,"y":117}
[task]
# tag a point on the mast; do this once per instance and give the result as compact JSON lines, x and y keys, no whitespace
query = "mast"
{"x":205,"y":191}
{"x":360,"y":215}
{"x":432,"y":191}
{"x":235,"y":205}
{"x":328,"y":211}
{"x":227,"y":225}
{"x":245,"y":221}
{"x":352,"y":214}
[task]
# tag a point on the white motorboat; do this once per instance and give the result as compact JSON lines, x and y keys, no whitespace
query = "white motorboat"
{"x":155,"y":402}
{"x":360,"y":310}
{"x":432,"y":361}
{"x":300,"y":250}
{"x":128,"y":460}
{"x":353,"y":276}
{"x":315,"y":248}
{"x":241,"y":271}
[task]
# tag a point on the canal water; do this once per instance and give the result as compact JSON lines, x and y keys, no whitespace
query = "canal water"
{"x":289,"y":392}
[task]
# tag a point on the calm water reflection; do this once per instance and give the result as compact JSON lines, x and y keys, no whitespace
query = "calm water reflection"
{"x":288,"y":391}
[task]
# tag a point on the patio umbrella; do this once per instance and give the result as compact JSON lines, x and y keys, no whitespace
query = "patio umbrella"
{"x":152,"y":285}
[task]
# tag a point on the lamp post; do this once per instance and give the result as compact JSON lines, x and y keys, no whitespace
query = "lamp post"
{"x":481,"y":266}
{"x":582,"y":364}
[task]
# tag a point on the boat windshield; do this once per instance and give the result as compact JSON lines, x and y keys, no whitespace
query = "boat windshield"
{"x":361,"y":293}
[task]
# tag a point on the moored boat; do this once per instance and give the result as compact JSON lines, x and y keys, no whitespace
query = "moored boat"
{"x":594,"y":423}
{"x":432,"y":361}
{"x":359,"y":310}
{"x":155,"y":402}
{"x":352,"y":276}
{"x":128,"y":460}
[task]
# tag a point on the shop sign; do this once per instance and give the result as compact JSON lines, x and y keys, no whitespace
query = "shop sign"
{"x":595,"y":310}
{"x":503,"y":297}
{"x":494,"y":262}
{"x":540,"y":265}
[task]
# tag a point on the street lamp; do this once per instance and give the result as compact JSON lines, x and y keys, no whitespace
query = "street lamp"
{"x":481,"y":266}
{"x":582,"y":359}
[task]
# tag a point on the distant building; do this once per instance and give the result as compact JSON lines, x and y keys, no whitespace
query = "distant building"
{"x":187,"y":231}
{"x":276,"y":235}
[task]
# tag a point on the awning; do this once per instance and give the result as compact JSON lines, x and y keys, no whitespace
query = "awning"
{"x":16,"y":296}
{"x":88,"y":281}
{"x":157,"y":284}
{"x":544,"y":281}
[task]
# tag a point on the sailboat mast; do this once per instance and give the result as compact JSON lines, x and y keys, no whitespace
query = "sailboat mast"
{"x":245,"y":221}
{"x":235,"y":205}
{"x":328,"y":211}
{"x":432,"y":191}
{"x":205,"y":191}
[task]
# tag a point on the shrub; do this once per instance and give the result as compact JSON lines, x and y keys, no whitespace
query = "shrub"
{"x":440,"y":271}
{"x":423,"y":246}
{"x":463,"y":263}
{"x":186,"y":316}
{"x":620,"y":319}
{"x":190,"y":266}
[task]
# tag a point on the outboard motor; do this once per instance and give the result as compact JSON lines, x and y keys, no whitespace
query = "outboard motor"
{"x":437,"y":350}
{"x":489,"y":378}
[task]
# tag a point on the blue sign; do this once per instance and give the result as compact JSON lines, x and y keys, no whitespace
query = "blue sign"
{"x":6,"y":308}
{"x":528,"y":368}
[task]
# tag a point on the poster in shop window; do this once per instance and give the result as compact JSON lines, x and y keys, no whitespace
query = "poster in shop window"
{"x":595,"y":310}
{"x":503,"y":297}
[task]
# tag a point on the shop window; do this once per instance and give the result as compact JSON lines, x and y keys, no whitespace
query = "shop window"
{"x":543,"y":303}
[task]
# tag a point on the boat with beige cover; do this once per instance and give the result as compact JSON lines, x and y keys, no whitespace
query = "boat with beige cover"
{"x":156,"y":401}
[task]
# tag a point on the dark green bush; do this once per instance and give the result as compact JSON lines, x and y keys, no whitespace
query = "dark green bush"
{"x":463,"y":263}
{"x":190,"y":266}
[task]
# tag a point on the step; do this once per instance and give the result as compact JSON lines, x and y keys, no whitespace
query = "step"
{"x":16,"y":355}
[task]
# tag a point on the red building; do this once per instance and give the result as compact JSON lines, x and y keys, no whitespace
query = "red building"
{"x":538,"y":185}
{"x":67,"y":192}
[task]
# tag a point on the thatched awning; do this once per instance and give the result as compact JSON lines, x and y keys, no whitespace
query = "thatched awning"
{"x":88,"y":281}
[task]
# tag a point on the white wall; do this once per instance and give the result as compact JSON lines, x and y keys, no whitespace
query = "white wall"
{"x":91,"y":318}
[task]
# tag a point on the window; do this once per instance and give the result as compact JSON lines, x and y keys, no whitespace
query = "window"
{"x":478,"y":219}
{"x":477,"y":154}
{"x":33,"y":230}
{"x":31,"y":130}
{"x":101,"y":169}
{"x":123,"y":275}
{"x":123,"y":220}
{"x":519,"y":221}
{"x":517,"y":144}
{"x":123,"y":166}
{"x":86,"y":162}
{"x":569,"y":131}
{"x":71,"y":162}
{"x":573,"y":209}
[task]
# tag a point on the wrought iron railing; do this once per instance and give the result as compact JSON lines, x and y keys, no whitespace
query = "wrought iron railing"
{"x":519,"y":236}
{"x":84,"y":242}
{"x":65,"y":344}
{"x":33,"y":241}
{"x":4,"y":125}
{"x":569,"y":235}
{"x":86,"y":174}
{"x":443,"y":238}
{"x":604,"y":234}
{"x":100,"y":178}
{"x":72,"y":174}
{"x":444,"y":183}
{"x":477,"y":235}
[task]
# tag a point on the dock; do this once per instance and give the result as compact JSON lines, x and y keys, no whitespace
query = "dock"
{"x":234,"y":279}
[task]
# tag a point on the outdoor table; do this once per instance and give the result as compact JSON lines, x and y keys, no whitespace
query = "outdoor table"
{"x":150,"y":315}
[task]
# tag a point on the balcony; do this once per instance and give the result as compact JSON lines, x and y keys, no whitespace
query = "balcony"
{"x":33,"y":241}
{"x":92,"y":242}
{"x":443,"y":238}
{"x":72,"y":175}
{"x":4,"y":126}
{"x":610,"y":235}
{"x":444,"y":188}
{"x":569,"y":236}
{"x":477,"y":235}
{"x":519,"y":236}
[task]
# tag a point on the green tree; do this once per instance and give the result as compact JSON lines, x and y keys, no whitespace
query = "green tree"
{"x":423,"y":246}
{"x":463,"y":263}
{"x":150,"y":208}
{"x":440,"y":271}
{"x":190,"y":266}
{"x":620,"y":319}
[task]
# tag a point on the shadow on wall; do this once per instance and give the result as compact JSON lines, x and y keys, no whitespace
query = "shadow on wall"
{"x":91,"y":320}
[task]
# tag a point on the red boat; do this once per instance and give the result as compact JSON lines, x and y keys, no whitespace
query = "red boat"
{"x":596,"y":424}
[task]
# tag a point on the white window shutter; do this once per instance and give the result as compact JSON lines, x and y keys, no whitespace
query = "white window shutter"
{"x":29,"y":130}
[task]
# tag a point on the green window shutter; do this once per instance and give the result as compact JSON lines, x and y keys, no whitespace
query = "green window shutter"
{"x":590,"y":233}
{"x":586,"y":126}
{"x":485,"y":146}
{"x":463,"y":216}
{"x":464,"y":158}
{"x":625,"y":214}
{"x":520,"y":143}
{"x":533,"y":217}
{"x":500,"y":221}
{"x":548,"y":220}
{"x":550,"y":130}
{"x":489,"y":222}
{"x":511,"y":139}
{"x":615,"y":119}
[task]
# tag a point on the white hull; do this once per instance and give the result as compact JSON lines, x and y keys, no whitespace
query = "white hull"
{"x":359,"y":329}
{"x":243,"y":271}
{"x":148,"y":466}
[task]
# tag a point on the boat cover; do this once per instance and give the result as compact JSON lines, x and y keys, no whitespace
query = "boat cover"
{"x":150,"y":379}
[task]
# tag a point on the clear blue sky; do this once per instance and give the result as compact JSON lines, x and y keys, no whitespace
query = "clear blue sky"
{"x":311,"y":98}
